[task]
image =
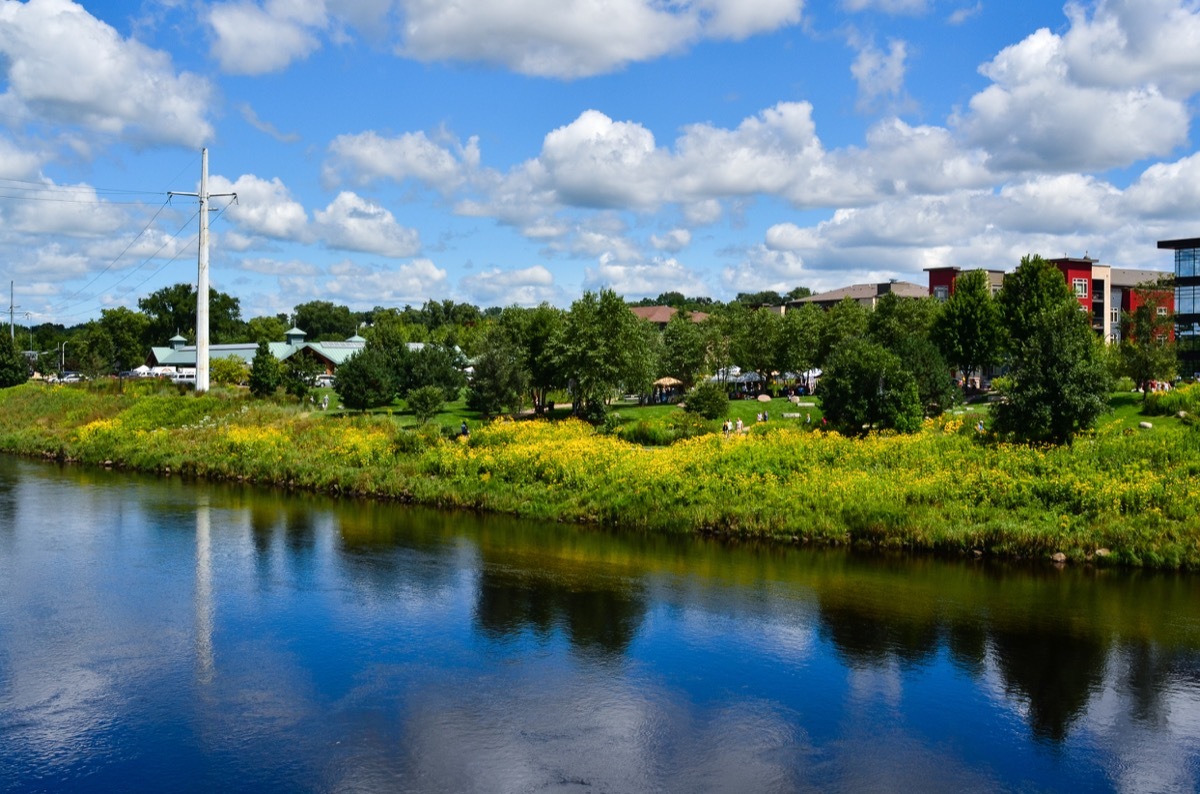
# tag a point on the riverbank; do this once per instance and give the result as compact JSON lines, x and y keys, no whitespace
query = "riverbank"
{"x":1112,"y":497}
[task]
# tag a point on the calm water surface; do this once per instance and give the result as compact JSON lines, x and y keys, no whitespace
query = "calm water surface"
{"x":162,"y":636}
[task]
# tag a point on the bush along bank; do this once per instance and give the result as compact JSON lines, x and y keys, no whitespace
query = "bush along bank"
{"x":1110,"y":496}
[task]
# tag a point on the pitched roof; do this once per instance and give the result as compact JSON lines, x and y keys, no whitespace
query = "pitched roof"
{"x":661,"y":315}
{"x":859,"y":292}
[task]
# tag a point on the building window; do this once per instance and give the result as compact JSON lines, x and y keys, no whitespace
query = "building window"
{"x":941,"y":292}
{"x":1162,"y":311}
{"x":1080,"y":285}
{"x":1114,"y":315}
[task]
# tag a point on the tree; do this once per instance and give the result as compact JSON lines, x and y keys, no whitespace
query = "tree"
{"x":425,"y":402}
{"x":968,"y":329}
{"x":229,"y":371}
{"x":931,"y":374}
{"x":325,"y":321}
{"x":708,"y":400}
{"x":844,"y":321}
{"x":1027,"y":295}
{"x":1057,"y":383}
{"x":94,"y":350}
{"x":597,"y":347}
{"x":266,"y":329}
{"x":365,"y":380}
{"x":536,"y":332}
{"x":800,"y":338}
{"x":682,"y":349}
{"x":754,"y":340}
{"x":127,"y":331}
{"x":865,"y":386}
{"x":895,"y":319}
{"x":172,"y":310}
{"x":14,"y":367}
{"x":266,"y":373}
{"x":1147,"y":351}
{"x":300,"y":373}
{"x":431,"y":365}
{"x":500,"y":379}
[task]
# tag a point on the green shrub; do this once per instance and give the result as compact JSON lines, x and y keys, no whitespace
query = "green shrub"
{"x":708,"y":400}
{"x":1167,"y":403}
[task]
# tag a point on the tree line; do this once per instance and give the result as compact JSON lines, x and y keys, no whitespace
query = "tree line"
{"x":883,"y":369}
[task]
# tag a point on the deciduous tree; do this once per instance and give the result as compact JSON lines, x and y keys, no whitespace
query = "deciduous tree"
{"x":968,"y":328}
{"x":865,"y":386}
{"x":1057,"y":383}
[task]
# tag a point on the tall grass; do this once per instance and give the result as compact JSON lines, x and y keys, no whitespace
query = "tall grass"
{"x":1125,"y":494}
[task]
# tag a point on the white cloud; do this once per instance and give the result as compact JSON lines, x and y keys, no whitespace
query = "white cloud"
{"x":1125,"y":43}
{"x":528,"y":286}
{"x":961,"y":15}
{"x":19,"y":162}
{"x":263,"y":207}
{"x":368,"y":156}
{"x":639,"y":279}
{"x":64,"y":66}
{"x":597,"y":162}
{"x":353,"y":223}
{"x":365,"y":286}
{"x":412,"y":282}
{"x":577,"y":38}
{"x":276,"y":267}
{"x":1167,"y":190}
{"x":763,"y":268}
{"x":738,"y":19}
{"x":71,"y":210}
{"x":879,"y":74}
{"x":1034,"y":116}
{"x":673,"y":241}
{"x":252,"y":39}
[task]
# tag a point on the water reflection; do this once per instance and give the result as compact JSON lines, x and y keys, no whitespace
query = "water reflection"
{"x":327,"y":645}
{"x":594,"y":613}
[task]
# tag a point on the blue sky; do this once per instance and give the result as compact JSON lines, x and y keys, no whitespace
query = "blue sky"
{"x":386,"y":152}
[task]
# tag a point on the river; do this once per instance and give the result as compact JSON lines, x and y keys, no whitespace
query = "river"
{"x":158,"y":635}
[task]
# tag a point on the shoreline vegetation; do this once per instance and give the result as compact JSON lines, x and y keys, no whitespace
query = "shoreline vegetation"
{"x":1116,"y":495}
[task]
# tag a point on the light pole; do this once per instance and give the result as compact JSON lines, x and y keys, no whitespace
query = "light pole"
{"x":62,"y":367}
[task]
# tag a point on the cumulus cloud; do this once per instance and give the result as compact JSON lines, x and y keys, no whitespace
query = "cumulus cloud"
{"x":1036,"y":116}
{"x":353,"y":223}
{"x":367,"y":157}
{"x":879,"y":74}
{"x":264,"y":207}
{"x":673,"y":241}
{"x":577,"y":38}
{"x":763,"y":268}
{"x":276,"y":267}
{"x":251,"y":39}
{"x":363,"y":286}
{"x":528,"y":286}
{"x":1125,"y":43}
{"x":63,"y":65}
{"x":1167,"y":191}
{"x":71,"y":210}
{"x":411,"y":282}
{"x":643,"y":278}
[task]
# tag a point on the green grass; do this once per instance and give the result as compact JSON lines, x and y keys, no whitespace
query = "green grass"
{"x":946,"y":488}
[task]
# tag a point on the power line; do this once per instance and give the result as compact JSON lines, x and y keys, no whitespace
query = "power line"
{"x":118,"y":257}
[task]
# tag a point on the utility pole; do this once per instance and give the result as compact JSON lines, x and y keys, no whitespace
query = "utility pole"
{"x":202,"y":275}
{"x":12,"y":334}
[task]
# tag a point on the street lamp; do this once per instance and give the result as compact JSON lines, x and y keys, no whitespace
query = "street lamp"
{"x":62,"y":367}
